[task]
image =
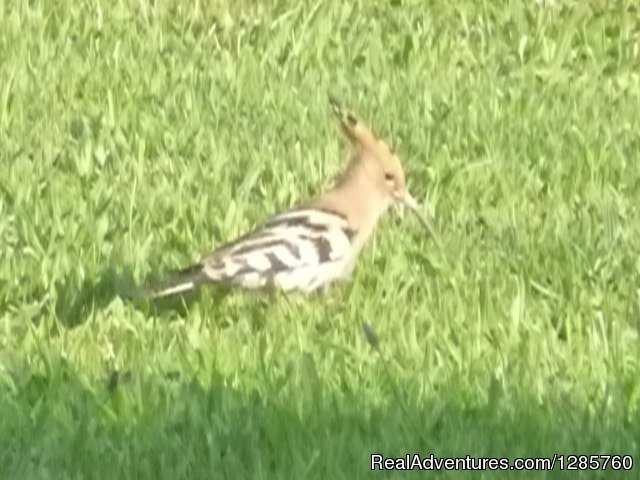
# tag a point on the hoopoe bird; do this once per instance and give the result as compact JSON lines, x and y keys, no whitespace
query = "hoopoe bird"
{"x":310,"y":246}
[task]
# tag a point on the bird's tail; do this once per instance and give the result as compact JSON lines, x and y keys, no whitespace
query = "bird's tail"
{"x":178,"y":283}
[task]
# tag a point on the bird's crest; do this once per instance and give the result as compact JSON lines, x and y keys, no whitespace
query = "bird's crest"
{"x":358,"y":134}
{"x":369,"y":148}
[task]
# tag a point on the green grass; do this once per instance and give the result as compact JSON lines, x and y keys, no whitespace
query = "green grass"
{"x":136,"y":135}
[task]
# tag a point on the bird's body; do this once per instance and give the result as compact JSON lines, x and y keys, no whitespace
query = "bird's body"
{"x":312,"y":245}
{"x":300,"y":249}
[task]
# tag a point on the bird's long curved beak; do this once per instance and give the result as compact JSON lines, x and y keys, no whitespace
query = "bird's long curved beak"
{"x":411,"y":202}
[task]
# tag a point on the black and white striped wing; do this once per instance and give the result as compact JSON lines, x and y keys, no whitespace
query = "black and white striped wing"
{"x":297,"y":250}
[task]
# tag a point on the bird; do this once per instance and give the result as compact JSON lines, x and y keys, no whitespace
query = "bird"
{"x":311,"y":245}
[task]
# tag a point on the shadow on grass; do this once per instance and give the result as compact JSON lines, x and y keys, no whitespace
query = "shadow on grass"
{"x":77,"y":300}
{"x":168,"y":426}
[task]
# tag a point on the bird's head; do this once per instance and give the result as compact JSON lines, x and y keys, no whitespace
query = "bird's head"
{"x":379,"y":161}
{"x":377,"y":157}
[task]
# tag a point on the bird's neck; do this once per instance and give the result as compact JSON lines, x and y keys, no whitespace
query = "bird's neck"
{"x":358,"y":198}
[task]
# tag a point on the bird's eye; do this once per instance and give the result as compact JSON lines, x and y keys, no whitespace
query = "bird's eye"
{"x":388,"y":177}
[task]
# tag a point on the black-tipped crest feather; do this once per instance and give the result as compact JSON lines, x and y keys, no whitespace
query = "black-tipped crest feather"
{"x":347,"y":119}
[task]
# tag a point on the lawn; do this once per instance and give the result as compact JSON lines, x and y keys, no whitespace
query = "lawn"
{"x":136,"y":135}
